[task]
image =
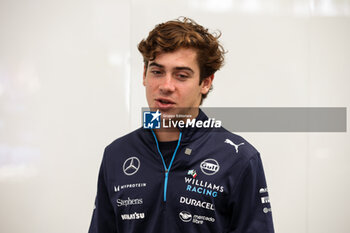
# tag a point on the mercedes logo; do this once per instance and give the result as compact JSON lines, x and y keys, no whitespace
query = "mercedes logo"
{"x":131,"y":166}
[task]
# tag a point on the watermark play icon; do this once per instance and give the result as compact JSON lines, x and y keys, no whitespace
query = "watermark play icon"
{"x":151,"y":120}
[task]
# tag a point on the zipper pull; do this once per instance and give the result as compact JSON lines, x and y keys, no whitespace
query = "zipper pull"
{"x":166,"y":183}
{"x":166,"y":176}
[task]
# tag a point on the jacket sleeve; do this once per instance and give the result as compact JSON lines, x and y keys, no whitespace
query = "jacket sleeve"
{"x":103,"y":217}
{"x":251,"y":208}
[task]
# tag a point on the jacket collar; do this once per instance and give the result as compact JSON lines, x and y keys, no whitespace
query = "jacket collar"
{"x":192,"y":133}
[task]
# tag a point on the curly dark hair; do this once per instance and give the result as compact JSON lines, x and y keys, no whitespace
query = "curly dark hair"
{"x":185,"y":33}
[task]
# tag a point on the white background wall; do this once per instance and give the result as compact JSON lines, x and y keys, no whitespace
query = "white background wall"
{"x":71,"y":82}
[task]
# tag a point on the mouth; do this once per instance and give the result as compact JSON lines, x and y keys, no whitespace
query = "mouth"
{"x":164,"y":103}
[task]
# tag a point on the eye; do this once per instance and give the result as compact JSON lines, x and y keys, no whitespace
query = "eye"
{"x":182,"y":76}
{"x":156,"y":72}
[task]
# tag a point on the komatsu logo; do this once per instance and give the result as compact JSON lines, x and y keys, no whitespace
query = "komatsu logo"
{"x":133,"y":216}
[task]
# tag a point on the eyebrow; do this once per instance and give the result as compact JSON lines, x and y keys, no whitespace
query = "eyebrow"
{"x":176,"y":68}
{"x":156,"y":64}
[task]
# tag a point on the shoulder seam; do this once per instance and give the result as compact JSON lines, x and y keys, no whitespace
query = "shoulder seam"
{"x":244,"y":170}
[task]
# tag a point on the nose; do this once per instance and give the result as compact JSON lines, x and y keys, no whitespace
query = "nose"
{"x":167,"y":85}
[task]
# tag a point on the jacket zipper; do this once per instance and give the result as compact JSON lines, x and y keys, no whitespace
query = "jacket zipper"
{"x":167,"y":169}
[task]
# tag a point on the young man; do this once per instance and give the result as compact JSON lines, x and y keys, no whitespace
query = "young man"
{"x":181,"y":179}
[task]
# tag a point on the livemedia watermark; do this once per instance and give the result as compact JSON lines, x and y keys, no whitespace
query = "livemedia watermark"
{"x":252,"y":119}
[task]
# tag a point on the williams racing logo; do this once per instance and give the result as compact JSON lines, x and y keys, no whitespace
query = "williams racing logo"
{"x":203,"y":187}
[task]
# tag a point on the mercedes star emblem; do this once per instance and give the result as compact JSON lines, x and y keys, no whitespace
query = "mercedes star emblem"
{"x":131,"y":166}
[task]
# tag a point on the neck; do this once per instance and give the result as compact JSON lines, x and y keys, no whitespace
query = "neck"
{"x":167,"y":135}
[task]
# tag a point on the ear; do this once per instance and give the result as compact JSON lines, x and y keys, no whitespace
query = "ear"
{"x":144,"y":75}
{"x":206,"y":84}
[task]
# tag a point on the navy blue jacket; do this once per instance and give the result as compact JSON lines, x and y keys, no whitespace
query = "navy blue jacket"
{"x":215,"y":183}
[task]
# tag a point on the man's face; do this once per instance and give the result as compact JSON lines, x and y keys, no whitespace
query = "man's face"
{"x":172,"y":82}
